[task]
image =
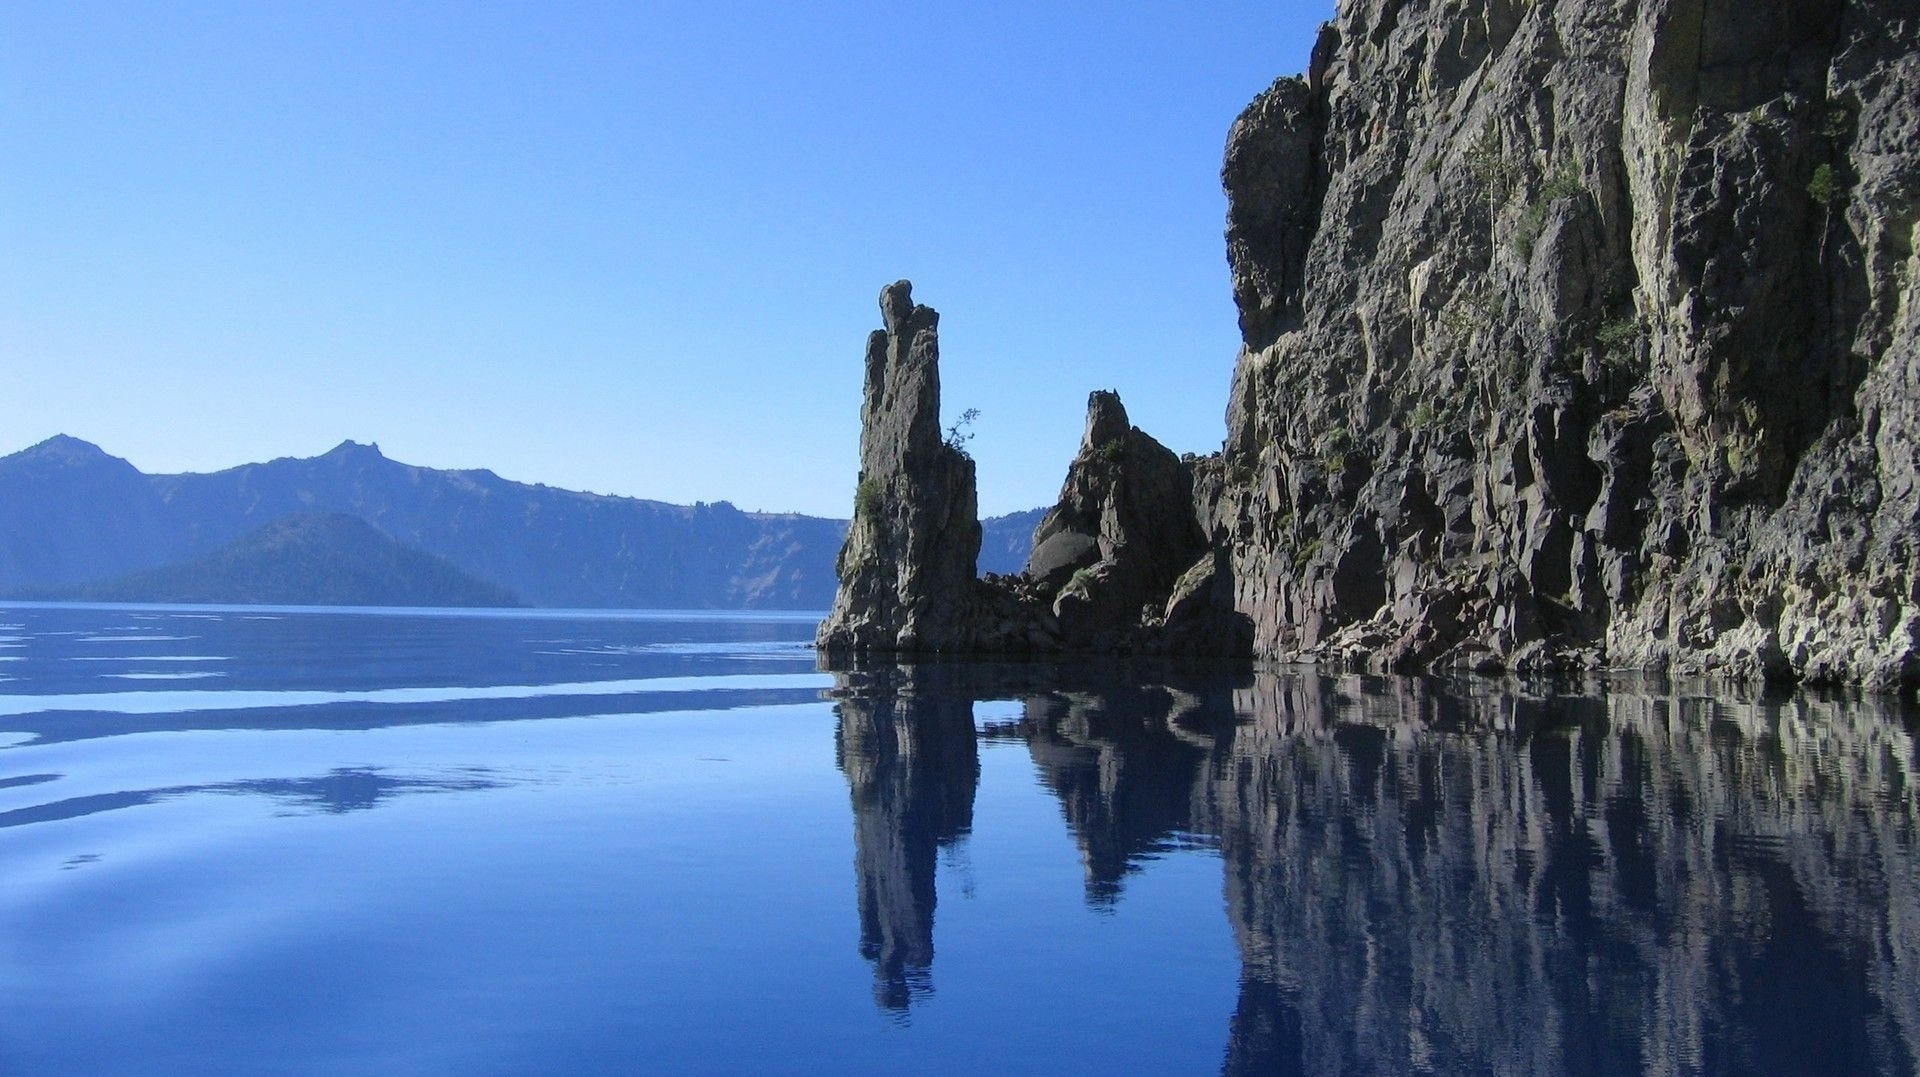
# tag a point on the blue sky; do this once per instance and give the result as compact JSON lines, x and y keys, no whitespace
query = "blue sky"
{"x":631,"y":247}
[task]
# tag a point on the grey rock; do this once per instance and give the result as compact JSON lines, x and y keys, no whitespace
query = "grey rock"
{"x":1574,"y":335}
{"x":907,"y":571}
{"x":1582,"y":334}
{"x":1110,"y":562}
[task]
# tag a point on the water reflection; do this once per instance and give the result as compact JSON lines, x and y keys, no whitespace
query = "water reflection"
{"x":905,"y":742}
{"x":1124,"y":764}
{"x":337,"y":792}
{"x":1424,"y":876}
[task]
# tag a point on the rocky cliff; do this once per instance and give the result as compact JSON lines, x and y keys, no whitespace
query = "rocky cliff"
{"x":1576,"y":334}
{"x":1582,"y":333}
{"x":907,"y":567}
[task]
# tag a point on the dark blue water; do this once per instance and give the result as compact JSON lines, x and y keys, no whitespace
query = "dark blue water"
{"x":250,"y":841}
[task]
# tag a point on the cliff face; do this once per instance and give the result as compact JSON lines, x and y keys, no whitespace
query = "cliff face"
{"x":1582,"y":333}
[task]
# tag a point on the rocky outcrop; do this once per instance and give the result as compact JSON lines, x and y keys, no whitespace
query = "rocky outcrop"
{"x":1110,"y":556}
{"x":1120,"y":565}
{"x":1583,"y":334}
{"x":1576,"y":335}
{"x":907,"y":570}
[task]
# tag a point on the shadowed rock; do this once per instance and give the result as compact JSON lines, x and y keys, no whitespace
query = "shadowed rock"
{"x":1123,"y":532}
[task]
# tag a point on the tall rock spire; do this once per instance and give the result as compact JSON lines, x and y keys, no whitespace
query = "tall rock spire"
{"x":907,"y":570}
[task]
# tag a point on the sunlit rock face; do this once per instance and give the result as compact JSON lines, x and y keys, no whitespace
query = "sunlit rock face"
{"x":1583,"y":334}
{"x":1575,"y":335}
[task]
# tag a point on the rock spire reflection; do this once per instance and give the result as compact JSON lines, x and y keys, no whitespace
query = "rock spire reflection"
{"x":907,"y":748}
{"x":1425,"y":876}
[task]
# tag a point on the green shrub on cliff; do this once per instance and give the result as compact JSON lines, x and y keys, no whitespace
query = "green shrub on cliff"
{"x":869,"y":500}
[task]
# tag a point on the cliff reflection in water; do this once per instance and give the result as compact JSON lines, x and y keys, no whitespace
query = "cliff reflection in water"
{"x":1426,"y":876}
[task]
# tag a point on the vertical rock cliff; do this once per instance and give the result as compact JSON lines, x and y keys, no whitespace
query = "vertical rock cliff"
{"x":1582,"y":333}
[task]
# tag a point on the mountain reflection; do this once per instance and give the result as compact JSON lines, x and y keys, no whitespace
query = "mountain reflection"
{"x":337,"y":792}
{"x":1426,"y":876}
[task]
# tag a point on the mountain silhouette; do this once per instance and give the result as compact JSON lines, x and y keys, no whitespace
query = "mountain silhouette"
{"x":71,"y":514}
{"x":326,"y":559}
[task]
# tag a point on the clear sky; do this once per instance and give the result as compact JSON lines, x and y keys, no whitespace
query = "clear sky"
{"x":627,"y":247}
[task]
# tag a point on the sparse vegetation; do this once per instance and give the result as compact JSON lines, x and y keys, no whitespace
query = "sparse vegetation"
{"x":1488,"y":163}
{"x":1113,"y":451}
{"x":869,"y":500}
{"x":1824,"y":187}
{"x":961,"y":432}
{"x":1618,"y":335}
{"x":1304,"y":556}
{"x":1458,"y":318}
{"x":1422,"y":416}
{"x":1533,"y":220}
{"x":1735,"y":453}
{"x":1335,"y":444}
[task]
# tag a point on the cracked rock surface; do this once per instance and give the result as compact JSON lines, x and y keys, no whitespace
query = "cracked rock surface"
{"x":1582,"y":334}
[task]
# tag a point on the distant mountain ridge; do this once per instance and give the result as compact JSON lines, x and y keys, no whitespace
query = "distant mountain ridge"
{"x":305,"y":559}
{"x":72,"y":514}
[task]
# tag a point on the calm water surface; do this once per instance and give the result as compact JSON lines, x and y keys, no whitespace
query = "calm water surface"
{"x":300,"y":841}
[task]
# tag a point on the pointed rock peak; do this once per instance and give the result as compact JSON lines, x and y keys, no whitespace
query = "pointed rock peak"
{"x":68,"y":451}
{"x":907,"y":577}
{"x":901,"y":315}
{"x":1106,"y":421}
{"x":353,"y":450}
{"x":63,"y":445}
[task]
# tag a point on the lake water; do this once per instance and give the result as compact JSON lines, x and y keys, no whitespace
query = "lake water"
{"x":285,"y":841}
